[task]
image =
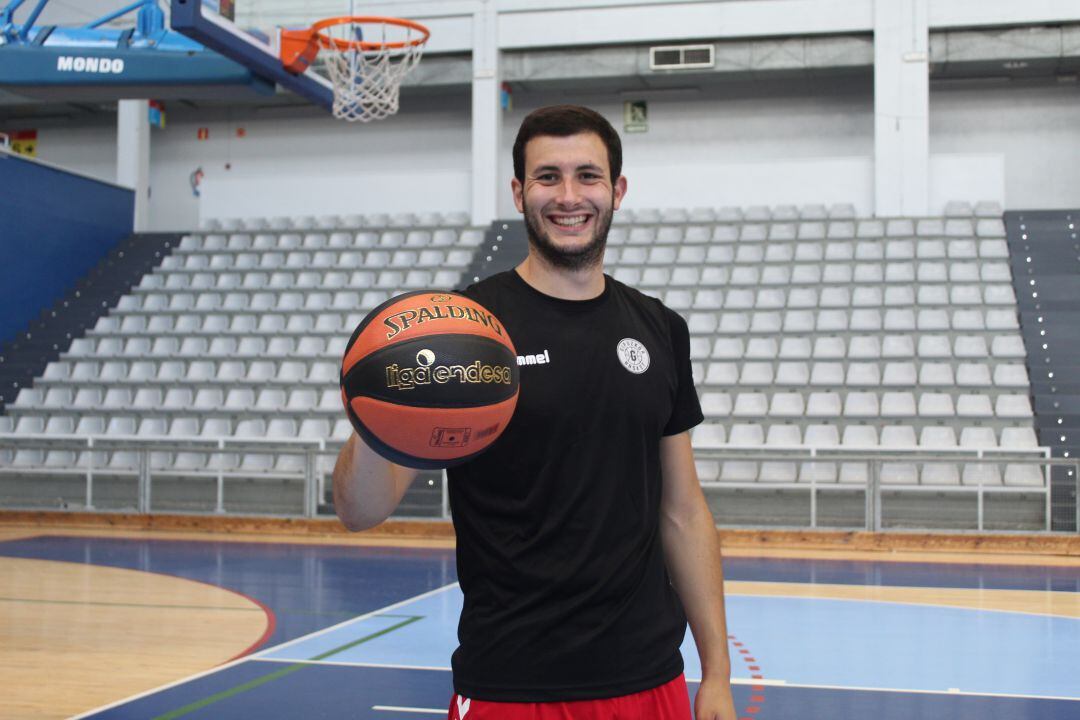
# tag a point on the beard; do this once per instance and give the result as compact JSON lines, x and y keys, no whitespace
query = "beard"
{"x":588,"y":255}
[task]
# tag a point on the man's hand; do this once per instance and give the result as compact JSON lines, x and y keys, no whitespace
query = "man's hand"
{"x":714,"y":701}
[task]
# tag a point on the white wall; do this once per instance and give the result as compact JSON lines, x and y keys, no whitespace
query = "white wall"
{"x":709,"y":150}
{"x":1031,"y":134}
{"x":414,"y":161}
{"x":1011,"y":144}
{"x":90,"y":150}
{"x":417,"y":160}
{"x":1016,"y":145}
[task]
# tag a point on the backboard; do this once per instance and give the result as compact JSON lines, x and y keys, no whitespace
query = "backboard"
{"x":203,"y":22}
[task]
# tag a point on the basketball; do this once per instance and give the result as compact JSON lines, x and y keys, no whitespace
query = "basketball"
{"x":429,"y":379}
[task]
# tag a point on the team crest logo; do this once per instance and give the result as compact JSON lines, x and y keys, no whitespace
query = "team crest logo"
{"x":633,"y":355}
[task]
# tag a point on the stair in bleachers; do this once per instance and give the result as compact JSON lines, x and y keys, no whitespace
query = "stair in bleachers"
{"x":1045,"y":250}
{"x":28,"y":354}
{"x":505,"y":246}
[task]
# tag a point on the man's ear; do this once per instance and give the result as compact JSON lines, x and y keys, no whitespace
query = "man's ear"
{"x":518,"y":190}
{"x":619,"y":191}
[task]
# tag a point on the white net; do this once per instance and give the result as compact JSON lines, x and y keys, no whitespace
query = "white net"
{"x":367,"y":83}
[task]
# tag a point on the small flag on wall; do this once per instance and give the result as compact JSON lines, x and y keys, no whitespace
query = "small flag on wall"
{"x":157,"y":114}
{"x":24,"y":142}
{"x":204,"y":133}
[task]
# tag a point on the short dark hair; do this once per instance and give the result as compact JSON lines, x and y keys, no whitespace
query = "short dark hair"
{"x":564,"y":121}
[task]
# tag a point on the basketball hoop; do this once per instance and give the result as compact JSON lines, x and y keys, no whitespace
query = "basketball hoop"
{"x":366,"y":59}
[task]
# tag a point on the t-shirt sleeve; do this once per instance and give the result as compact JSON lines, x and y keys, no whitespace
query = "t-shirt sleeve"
{"x":687,"y":411}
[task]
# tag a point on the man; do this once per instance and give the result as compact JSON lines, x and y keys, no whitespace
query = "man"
{"x":584,"y":539}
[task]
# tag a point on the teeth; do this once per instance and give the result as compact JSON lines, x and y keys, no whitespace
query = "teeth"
{"x":569,"y":221}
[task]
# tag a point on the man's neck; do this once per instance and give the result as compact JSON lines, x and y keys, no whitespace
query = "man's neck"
{"x":584,"y":284}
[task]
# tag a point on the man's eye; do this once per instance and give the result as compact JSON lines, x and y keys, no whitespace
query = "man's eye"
{"x":547,"y":177}
{"x":591,"y":176}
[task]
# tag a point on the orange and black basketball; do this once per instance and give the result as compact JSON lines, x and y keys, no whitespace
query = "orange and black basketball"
{"x":429,"y":379}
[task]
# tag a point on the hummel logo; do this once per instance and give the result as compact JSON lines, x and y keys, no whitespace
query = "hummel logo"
{"x":539,"y":359}
{"x":463,"y":707}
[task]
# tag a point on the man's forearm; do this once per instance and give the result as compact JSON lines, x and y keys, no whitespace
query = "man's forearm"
{"x":367,"y":486}
{"x":692,"y":551}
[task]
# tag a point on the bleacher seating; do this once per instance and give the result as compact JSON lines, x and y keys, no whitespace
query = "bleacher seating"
{"x":803,"y":316}
{"x":238,"y":334}
{"x":809,"y":327}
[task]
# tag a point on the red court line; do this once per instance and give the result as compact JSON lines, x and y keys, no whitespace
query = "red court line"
{"x":271,"y":625}
{"x":758,"y":698}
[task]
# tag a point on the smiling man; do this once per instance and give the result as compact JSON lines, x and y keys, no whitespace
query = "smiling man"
{"x":584,"y":543}
{"x":579,"y":212}
{"x":584,"y":539}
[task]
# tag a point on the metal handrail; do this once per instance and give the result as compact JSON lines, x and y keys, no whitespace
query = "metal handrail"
{"x":312,"y":449}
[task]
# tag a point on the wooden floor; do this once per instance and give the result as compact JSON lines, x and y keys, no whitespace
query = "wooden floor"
{"x":101,"y":633}
{"x":987,"y":548}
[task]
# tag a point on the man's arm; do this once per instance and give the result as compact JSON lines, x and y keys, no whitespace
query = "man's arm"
{"x":692,"y":553}
{"x":367,"y":486}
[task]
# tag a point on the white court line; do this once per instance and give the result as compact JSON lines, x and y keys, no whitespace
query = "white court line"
{"x":420,"y":711}
{"x":950,"y":691}
{"x":772,"y":682}
{"x":736,"y":681}
{"x":345,"y":663}
{"x":910,"y":603}
{"x":358,"y":618}
{"x":246,"y":658}
{"x":435,"y":668}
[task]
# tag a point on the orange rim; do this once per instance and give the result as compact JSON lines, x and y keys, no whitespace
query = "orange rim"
{"x":326,"y":41}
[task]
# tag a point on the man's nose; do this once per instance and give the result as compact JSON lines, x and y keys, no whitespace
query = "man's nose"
{"x":569,"y":192}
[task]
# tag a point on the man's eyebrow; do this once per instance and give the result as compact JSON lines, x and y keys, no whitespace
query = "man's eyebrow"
{"x":555,"y":168}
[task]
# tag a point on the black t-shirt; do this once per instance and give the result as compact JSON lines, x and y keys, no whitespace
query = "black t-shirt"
{"x":567,"y":596}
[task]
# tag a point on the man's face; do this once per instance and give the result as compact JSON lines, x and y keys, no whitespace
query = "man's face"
{"x":568,"y":198}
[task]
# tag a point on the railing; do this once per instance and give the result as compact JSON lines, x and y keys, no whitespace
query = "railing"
{"x":312,"y":473}
{"x":217,"y":465}
{"x":876,"y":457}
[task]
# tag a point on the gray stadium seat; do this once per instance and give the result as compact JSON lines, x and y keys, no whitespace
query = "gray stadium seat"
{"x":747,"y":435}
{"x":796,"y":374}
{"x":973,"y":375}
{"x":936,"y":374}
{"x":863,"y":374}
{"x":1010,"y":375}
{"x":750,"y":404}
{"x":827,"y":374}
{"x":823,"y":404}
{"x":1013,"y":407}
{"x":860,"y":404}
{"x":896,"y":437}
{"x":898,"y":405}
{"x":974,"y":406}
{"x":934,"y":473}
{"x":780,"y":471}
{"x":716,"y":404}
{"x":820,"y":436}
{"x":1021,"y":438}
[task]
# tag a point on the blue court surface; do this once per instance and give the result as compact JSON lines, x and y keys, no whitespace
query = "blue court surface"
{"x":365,"y":633}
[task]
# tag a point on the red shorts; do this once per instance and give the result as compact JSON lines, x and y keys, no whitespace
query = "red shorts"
{"x":670,"y":701}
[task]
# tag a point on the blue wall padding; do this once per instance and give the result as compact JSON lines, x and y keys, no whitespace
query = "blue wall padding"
{"x":54,"y":227}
